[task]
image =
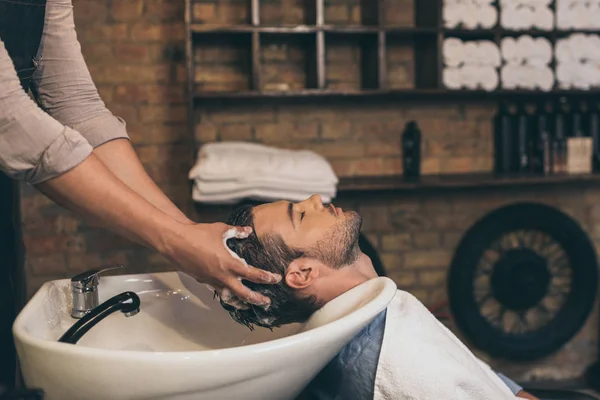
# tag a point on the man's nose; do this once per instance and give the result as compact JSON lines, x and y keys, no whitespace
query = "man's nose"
{"x":316,"y":202}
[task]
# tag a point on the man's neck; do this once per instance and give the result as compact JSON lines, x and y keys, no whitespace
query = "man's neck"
{"x":341,"y":280}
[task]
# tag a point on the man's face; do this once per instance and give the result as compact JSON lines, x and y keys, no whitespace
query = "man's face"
{"x":313,"y":227}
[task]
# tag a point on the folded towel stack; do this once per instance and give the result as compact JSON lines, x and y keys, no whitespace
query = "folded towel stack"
{"x":526,"y":14}
{"x":526,"y":63}
{"x":578,"y":14}
{"x":470,"y":65}
{"x":578,"y":61}
{"x":469,"y":14}
{"x":228,"y":172}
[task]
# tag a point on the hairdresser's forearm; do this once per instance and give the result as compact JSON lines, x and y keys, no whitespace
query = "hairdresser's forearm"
{"x":97,"y":195}
{"x":120,"y":158}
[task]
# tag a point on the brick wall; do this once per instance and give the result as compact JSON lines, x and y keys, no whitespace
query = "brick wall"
{"x":133,"y":49}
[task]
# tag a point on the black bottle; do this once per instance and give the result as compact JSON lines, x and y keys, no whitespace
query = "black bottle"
{"x":559,"y":140}
{"x":523,"y":140}
{"x":411,"y":151}
{"x":576,"y":120}
{"x":504,"y":139}
{"x":542,"y":150}
{"x":592,"y":122}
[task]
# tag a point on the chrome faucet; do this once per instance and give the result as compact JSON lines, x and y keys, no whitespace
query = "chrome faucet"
{"x":84,"y":289}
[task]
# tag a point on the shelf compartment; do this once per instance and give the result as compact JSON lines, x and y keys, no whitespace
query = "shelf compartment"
{"x":395,"y":183}
{"x":288,"y":62}
{"x":223,"y":62}
{"x":351,"y":12}
{"x":290,"y":13}
{"x":400,"y":62}
{"x":222,"y":12}
{"x":351,"y":61}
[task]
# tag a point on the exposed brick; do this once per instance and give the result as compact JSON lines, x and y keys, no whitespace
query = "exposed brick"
{"x":391,"y":261}
{"x":421,"y":294}
{"x":164,"y":10}
{"x":388,"y":148}
{"x":241,"y":114}
{"x":100,"y":33}
{"x":236,"y":132}
{"x":427,"y":259}
{"x":166,"y":113}
{"x":335,"y":130}
{"x":430,"y":166}
{"x":132,"y":52}
{"x":128,"y":113}
{"x":145,"y":32}
{"x":285,"y":131}
{"x":204,"y":12}
{"x":81,"y":262}
{"x":398,"y":13}
{"x":450,"y":240}
{"x":367,"y":167}
{"x":106,"y":92}
{"x":126,"y":10}
{"x":98,"y":52}
{"x":426,"y":240}
{"x":395,"y":241}
{"x":403,"y":279}
{"x":432,"y":278}
{"x":205,"y":133}
{"x":157,"y":134}
{"x":339,"y":150}
{"x":87,"y":12}
{"x":158,"y":73}
{"x":411,"y":222}
{"x":53,"y":264}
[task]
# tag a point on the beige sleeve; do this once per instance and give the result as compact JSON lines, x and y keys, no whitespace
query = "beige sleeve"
{"x":34,"y":147}
{"x":62,"y":82}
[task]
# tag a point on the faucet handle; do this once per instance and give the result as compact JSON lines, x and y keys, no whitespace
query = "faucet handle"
{"x":89,"y":279}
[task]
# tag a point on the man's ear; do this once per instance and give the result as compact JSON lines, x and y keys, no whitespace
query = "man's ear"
{"x":302,"y":273}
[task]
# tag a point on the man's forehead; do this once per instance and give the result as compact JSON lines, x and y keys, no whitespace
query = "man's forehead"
{"x":271,"y":218}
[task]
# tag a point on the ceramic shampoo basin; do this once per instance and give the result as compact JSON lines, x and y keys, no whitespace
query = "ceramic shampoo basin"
{"x":182,"y":344}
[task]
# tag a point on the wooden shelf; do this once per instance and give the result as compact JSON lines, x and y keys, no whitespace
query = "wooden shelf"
{"x":401,"y":94}
{"x":464,"y":181}
{"x":400,"y":30}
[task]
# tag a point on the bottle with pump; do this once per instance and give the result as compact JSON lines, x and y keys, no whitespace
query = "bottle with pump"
{"x":504,"y":139}
{"x":523,"y":140}
{"x":411,"y":151}
{"x":559,"y":141}
{"x":593,"y":129}
{"x":542,"y":150}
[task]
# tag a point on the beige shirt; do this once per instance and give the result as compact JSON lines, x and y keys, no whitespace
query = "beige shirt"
{"x":44,"y":140}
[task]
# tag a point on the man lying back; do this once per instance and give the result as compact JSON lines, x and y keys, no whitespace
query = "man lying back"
{"x":315,"y":248}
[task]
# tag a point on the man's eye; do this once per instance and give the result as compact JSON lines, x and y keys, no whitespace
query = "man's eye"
{"x":302,"y":216}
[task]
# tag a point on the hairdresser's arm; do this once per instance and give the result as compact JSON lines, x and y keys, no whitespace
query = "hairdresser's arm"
{"x":93,"y":192}
{"x":64,"y":88}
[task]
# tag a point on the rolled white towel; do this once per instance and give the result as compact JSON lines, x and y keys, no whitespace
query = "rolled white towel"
{"x":487,"y":16}
{"x":543,"y":18}
{"x":452,"y":13}
{"x":563,"y":51}
{"x":469,"y":18}
{"x":528,"y":77}
{"x":565,"y":14}
{"x":488,"y":78}
{"x":588,"y":75}
{"x":542,"y":50}
{"x":566,"y":73}
{"x":510,"y":76}
{"x":544,"y":79}
{"x":489,"y":53}
{"x":580,"y":45}
{"x":509,"y":50}
{"x":470,"y":76}
{"x":452,"y":78}
{"x":453,"y":51}
{"x":471,"y":53}
{"x":594,"y":47}
{"x":526,"y":46}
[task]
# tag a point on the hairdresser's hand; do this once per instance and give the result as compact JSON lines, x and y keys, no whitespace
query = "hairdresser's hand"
{"x":201,"y":252}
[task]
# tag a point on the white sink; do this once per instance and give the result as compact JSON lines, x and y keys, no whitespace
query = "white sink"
{"x":182,"y":344}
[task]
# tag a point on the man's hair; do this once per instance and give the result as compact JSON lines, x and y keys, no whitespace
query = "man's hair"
{"x":269,"y":253}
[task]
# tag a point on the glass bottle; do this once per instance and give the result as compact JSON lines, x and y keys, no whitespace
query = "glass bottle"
{"x":523,"y":140}
{"x":504,"y":139}
{"x":411,"y":151}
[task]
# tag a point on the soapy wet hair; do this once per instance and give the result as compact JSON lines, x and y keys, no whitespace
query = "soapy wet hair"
{"x":269,"y":253}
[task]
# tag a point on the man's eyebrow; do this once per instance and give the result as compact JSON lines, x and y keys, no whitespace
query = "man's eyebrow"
{"x":291,"y":213}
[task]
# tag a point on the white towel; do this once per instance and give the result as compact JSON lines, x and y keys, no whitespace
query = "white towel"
{"x":265,"y":183}
{"x":422,"y":359}
{"x":543,"y":18}
{"x":236,"y":160}
{"x":259,"y":194}
{"x":453,"y":52}
{"x":452,"y":78}
{"x":487,"y":16}
{"x":489,"y":54}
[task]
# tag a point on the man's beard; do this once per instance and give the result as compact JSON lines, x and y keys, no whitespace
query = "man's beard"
{"x":339,"y":247}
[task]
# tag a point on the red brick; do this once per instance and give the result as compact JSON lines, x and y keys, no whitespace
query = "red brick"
{"x":87,"y":12}
{"x":391,"y":261}
{"x":159,"y":73}
{"x":339,"y":150}
{"x":388,"y":148}
{"x":336,"y":130}
{"x":430,"y":166}
{"x":367,"y":167}
{"x":235,"y":132}
{"x":166,"y":113}
{"x":98,"y":52}
{"x":43,"y":245}
{"x":427,"y":259}
{"x":426,"y":240}
{"x":106,"y":92}
{"x":126,"y":10}
{"x":396,"y":242}
{"x":81,"y":262}
{"x":157,"y":134}
{"x":132,"y":52}
{"x":204,"y":12}
{"x":54,"y":264}
{"x":101,"y":33}
{"x":145,"y":32}
{"x":164,"y":10}
{"x":205,"y":133}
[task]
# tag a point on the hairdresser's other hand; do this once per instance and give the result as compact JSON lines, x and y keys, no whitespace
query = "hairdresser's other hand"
{"x":200,"y":251}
